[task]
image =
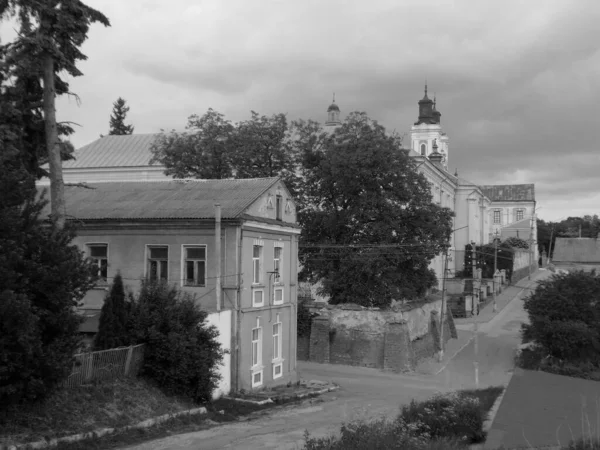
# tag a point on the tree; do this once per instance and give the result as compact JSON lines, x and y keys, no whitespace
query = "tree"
{"x":260,"y":147}
{"x":564,"y":316}
{"x":43,"y":279}
{"x":114,"y":318}
{"x":117,"y":119}
{"x":516,"y":242}
{"x":182,"y":353}
{"x":369,"y":227}
{"x":50,"y":34}
{"x":204,"y":151}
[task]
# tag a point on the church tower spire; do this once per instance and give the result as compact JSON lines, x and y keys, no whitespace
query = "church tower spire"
{"x":427,"y":137}
{"x":333,"y":114}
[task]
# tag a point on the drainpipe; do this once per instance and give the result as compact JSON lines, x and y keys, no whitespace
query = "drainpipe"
{"x":238,"y":315}
{"x":218,"y":252}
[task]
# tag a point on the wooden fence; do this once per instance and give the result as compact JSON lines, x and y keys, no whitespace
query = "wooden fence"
{"x":105,"y":365}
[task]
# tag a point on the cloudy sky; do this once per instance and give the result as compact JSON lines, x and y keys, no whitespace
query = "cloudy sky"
{"x":517,"y":82}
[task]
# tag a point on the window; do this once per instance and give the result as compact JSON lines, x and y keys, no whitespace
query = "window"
{"x":158,"y":262}
{"x":278,"y":294}
{"x":257,"y":251}
{"x":194,"y":266}
{"x":519,"y":214}
{"x":497,"y":216}
{"x":99,"y":256}
{"x":277,"y":349}
{"x":278,"y":206}
{"x":423,"y":149}
{"x":258,"y":298}
{"x":257,"y":366}
{"x":277,"y":266}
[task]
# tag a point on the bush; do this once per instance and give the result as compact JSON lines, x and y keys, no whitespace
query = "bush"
{"x":43,"y":277}
{"x":447,"y":416}
{"x":182,"y":353}
{"x":564,"y":316}
{"x":114,"y":318}
{"x":516,"y":242}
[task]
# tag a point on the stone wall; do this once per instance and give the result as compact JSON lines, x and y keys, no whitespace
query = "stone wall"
{"x":391,"y":340}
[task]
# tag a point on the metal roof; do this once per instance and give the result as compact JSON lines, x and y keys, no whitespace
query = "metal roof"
{"x":583,"y":250}
{"x":171,"y":199}
{"x":509,"y":192}
{"x":131,"y":150}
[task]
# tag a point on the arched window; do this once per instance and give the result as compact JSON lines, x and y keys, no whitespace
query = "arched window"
{"x":423,"y":149}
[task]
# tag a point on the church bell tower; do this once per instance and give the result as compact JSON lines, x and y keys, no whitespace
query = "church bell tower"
{"x":427,"y":130}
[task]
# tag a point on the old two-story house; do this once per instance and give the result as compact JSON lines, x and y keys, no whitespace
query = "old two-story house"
{"x":233,"y":244}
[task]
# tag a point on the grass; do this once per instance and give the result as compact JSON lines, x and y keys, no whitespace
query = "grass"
{"x":86,"y":408}
{"x":109,"y":405}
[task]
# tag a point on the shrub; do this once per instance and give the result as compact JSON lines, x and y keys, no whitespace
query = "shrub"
{"x":182,"y":353}
{"x":114,"y":318}
{"x":564,"y":315}
{"x":516,"y":242}
{"x":448,"y":416}
{"x":43,"y":277}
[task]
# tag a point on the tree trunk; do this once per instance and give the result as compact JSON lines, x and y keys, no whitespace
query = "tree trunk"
{"x":57,"y":187}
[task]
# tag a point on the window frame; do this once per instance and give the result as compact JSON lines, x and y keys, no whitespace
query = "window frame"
{"x":184,"y":261}
{"x":275,"y":301}
{"x":277,"y":361}
{"x":255,"y":304}
{"x":278,"y":207}
{"x":278,"y":264}
{"x":258,"y":259}
{"x":499,"y":221}
{"x":256,"y":368}
{"x":520,"y":211}
{"x":148,"y":259}
{"x":88,"y":247}
{"x":423,"y":148}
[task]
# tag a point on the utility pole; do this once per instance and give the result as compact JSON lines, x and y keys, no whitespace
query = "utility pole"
{"x":531,"y":242}
{"x":443,"y":312}
{"x":476,"y":361}
{"x":495,"y":268}
{"x":550,"y":245}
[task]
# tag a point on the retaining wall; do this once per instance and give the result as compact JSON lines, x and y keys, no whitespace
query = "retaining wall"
{"x":391,"y":340}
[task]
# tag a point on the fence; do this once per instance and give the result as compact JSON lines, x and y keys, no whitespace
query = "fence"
{"x":105,"y":365}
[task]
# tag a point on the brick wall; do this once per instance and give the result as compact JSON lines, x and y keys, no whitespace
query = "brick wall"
{"x":303,"y":348}
{"x":319,"y":340}
{"x":523,"y":272}
{"x":357,"y":348}
{"x":398,"y":351}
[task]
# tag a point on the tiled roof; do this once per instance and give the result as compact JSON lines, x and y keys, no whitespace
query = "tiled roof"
{"x":172,"y":199}
{"x":113,"y":151}
{"x":509,"y":192}
{"x":584,"y":250}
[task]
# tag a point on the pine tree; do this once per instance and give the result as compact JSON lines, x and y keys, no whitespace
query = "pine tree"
{"x":112,"y":330}
{"x":117,"y":119}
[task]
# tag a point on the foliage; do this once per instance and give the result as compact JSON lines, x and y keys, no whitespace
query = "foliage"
{"x":43,"y":278}
{"x":564,"y":315}
{"x":450,"y":421}
{"x":114,"y":318}
{"x":590,"y":443}
{"x":304,"y":320}
{"x":204,"y":151}
{"x":486,"y":254}
{"x":447,"y":415}
{"x":182,"y":353}
{"x":369,"y":226}
{"x":570,"y":227}
{"x":117,"y":119}
{"x":516,"y":242}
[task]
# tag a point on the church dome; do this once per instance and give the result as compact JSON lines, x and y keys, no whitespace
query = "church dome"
{"x":333,"y":107}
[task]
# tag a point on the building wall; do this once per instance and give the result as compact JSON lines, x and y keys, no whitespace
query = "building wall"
{"x":127,"y":253}
{"x":265,"y":316}
{"x":99,"y":175}
{"x":222,"y":321}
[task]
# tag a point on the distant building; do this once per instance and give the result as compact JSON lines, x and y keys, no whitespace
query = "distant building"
{"x":577,"y":254}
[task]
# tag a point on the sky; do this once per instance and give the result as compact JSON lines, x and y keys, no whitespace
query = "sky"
{"x":517,"y":82}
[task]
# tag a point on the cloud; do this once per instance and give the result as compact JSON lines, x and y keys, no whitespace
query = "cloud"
{"x":516,"y":82}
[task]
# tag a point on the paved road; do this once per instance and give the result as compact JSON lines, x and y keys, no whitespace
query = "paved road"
{"x":367,"y":392}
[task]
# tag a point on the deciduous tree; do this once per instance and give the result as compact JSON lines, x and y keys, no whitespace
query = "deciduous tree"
{"x":369,"y":226}
{"x":203,"y":151}
{"x":117,"y":119}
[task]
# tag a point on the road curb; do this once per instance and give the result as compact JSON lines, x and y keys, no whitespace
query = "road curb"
{"x":102,"y":431}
